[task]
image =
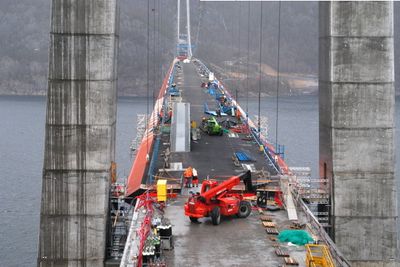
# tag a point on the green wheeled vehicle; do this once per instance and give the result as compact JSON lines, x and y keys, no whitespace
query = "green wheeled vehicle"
{"x":212,"y":127}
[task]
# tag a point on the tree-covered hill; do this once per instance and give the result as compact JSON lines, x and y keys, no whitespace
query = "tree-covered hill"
{"x":226,"y":35}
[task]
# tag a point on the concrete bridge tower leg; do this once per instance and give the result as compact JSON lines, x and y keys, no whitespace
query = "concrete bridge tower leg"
{"x":356,"y":103}
{"x":80,"y":132}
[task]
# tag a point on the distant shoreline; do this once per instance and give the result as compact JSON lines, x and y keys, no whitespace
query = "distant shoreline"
{"x":251,"y":95}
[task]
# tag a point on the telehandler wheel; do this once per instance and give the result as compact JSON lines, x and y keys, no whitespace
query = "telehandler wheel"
{"x":215,"y":216}
{"x":244,"y":209}
{"x":193,"y":220}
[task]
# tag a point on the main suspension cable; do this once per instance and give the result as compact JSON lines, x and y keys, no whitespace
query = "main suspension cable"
{"x":248,"y":60}
{"x":278,"y":76}
{"x":148,"y":77}
{"x":260,"y":70}
{"x":154,"y":54}
{"x":238,"y":64}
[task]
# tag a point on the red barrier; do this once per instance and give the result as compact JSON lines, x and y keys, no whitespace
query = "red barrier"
{"x":144,"y":150}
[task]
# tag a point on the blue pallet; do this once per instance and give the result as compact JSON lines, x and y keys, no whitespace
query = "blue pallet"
{"x":242,"y":156}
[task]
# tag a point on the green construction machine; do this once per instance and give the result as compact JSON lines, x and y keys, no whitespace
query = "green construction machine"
{"x":212,"y":127}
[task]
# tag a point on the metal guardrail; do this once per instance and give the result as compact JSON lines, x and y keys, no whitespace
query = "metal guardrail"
{"x":269,"y":157}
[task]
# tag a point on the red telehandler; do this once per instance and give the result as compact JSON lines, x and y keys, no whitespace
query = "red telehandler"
{"x":216,"y":199}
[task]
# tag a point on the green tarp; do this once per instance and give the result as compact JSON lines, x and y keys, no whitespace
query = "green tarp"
{"x":298,"y":237}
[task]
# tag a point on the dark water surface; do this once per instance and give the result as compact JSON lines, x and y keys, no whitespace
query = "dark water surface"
{"x":21,"y":157}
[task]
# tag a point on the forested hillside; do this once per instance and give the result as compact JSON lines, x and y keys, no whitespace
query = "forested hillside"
{"x":225,"y":35}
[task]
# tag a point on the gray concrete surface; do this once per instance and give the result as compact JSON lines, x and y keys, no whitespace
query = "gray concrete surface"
{"x":211,"y":155}
{"x":356,"y":81}
{"x":80,"y":132}
{"x":235,"y":242}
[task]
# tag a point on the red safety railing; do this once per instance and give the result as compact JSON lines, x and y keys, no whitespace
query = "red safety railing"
{"x":142,"y":156}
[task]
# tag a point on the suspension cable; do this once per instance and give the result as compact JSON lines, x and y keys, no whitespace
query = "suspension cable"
{"x":148,"y":75}
{"x":232,"y":68}
{"x":278,"y":76}
{"x":201,"y":7}
{"x":238,"y":65}
{"x":160,"y":62}
{"x":154,"y":53}
{"x":260,"y":67}
{"x":248,"y":60}
{"x":158,"y":47}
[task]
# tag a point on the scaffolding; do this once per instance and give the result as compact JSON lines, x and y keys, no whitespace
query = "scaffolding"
{"x":314,"y":192}
{"x":119,"y":221}
{"x":141,"y":120}
{"x":263,"y":125}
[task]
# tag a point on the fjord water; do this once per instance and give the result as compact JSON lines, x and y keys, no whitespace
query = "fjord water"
{"x":22,"y":144}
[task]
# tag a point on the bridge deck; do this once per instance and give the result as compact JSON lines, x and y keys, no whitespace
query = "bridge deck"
{"x":211,"y":155}
{"x":235,"y":242}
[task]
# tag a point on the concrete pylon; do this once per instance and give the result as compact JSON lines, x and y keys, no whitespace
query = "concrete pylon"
{"x":356,"y":103}
{"x":80,"y":132}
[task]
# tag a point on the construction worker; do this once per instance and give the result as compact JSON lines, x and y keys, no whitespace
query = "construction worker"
{"x":188,"y":175}
{"x":195,"y":179}
{"x":238,"y":114}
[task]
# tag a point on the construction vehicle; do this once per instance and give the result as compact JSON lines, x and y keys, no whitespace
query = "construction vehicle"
{"x":212,"y":127}
{"x":218,"y":199}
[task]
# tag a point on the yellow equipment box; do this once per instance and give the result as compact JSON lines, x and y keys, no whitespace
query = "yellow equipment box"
{"x":162,"y":190}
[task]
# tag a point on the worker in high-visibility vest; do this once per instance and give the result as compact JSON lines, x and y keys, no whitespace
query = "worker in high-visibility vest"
{"x":238,"y":114}
{"x":195,"y":179}
{"x":188,"y":175}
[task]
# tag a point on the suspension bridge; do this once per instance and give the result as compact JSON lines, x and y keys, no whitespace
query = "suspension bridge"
{"x":89,"y":219}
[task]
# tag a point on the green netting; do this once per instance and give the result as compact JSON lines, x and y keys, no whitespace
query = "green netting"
{"x":298,"y":237}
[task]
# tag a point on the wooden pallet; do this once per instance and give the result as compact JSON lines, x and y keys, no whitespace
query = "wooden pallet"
{"x":281,"y":252}
{"x":291,"y":261}
{"x":265,"y":218}
{"x":272,"y":231}
{"x":269,"y":224}
{"x":272,"y":238}
{"x":296,"y":225}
